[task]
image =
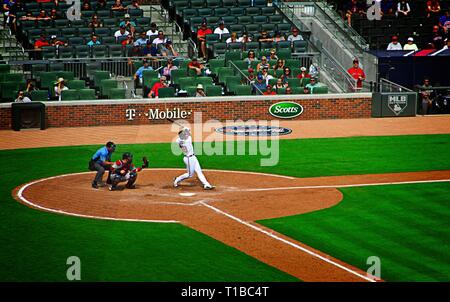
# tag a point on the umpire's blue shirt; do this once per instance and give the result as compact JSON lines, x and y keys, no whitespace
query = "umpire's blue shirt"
{"x":101,"y":155}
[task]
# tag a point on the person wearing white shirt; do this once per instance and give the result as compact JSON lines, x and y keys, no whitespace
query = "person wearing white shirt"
{"x":221,"y":29}
{"x":410,"y":45}
{"x":122,"y":32}
{"x":184,"y":141}
{"x":160,"y":38}
{"x":394,"y":45}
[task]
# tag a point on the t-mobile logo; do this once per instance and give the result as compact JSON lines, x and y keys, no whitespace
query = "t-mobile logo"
{"x":374,"y":10}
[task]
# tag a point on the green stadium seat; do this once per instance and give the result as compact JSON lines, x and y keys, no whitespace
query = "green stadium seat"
{"x":304,"y":81}
{"x":39,"y":95}
{"x":86,"y":94}
{"x":205,"y":81}
{"x":242,"y":90}
{"x":300,"y":46}
{"x":293,"y":63}
{"x":240,"y":64}
{"x":283,"y":45}
{"x":61,"y":23}
{"x":284,"y":53}
{"x":214,"y":64}
{"x":65,"y":52}
{"x":215,"y":90}
{"x":197,"y":3}
{"x":143,"y":21}
{"x":222,"y":12}
{"x":297,"y":90}
{"x":233,"y":55}
{"x":115,"y":50}
{"x":259,"y":19}
{"x":322,"y":89}
{"x":284,"y":27}
{"x":67,"y":75}
{"x":47,"y":79}
{"x":212,"y":39}
{"x":5,"y":68}
{"x":82,"y":51}
{"x":229,"y":3}
{"x":48,"y":52}
{"x":185,"y":82}
{"x":268,"y":10}
{"x":78,"y":23}
{"x":117,"y":93}
{"x":219,"y":49}
{"x":166,"y":92}
{"x":205,"y":12}
{"x":252,"y":29}
{"x":148,"y":77}
{"x":189,"y":13}
{"x":224,"y":72}
{"x":11,"y":77}
{"x":253,"y":11}
{"x":244,"y":20}
{"x":56,"y":66}
{"x":69,"y":95}
{"x":103,"y":14}
{"x":251,"y":46}
{"x":294,"y":82}
{"x":76,"y":84}
{"x":190,"y":90}
{"x":231,"y":81}
{"x":213,"y":3}
{"x":237,"y":11}
{"x":100,"y":75}
{"x":177,"y":74}
{"x":37,"y":69}
{"x":275,"y":19}
{"x":110,"y":22}
{"x":244,"y":3}
{"x":99,"y":51}
{"x":106,"y":85}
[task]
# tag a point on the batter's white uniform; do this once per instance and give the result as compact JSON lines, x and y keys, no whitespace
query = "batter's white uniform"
{"x":191,"y":161}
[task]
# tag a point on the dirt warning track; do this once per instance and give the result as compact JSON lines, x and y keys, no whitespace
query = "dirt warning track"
{"x":226,"y":213}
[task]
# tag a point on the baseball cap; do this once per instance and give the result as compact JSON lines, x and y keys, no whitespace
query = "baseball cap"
{"x":251,"y":70}
{"x":163,"y":78}
{"x":260,"y":77}
{"x":269,"y":86}
{"x":303,"y":68}
{"x":355,"y":60}
{"x":199,"y":86}
{"x":127,"y":16}
{"x":411,"y":39}
{"x":53,"y":37}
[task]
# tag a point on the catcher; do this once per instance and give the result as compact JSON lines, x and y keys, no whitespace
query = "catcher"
{"x":124,"y":170}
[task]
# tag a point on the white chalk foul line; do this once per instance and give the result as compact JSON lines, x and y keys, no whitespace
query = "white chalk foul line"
{"x":33,"y":205}
{"x":296,"y":246}
{"x":347,"y":186}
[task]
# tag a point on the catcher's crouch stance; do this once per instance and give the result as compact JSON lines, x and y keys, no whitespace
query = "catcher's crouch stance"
{"x":124,"y":170}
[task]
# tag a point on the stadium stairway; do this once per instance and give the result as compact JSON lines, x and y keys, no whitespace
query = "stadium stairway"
{"x":10,"y":49}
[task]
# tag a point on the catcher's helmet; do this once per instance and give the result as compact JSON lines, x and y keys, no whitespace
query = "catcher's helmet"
{"x":128,"y":156}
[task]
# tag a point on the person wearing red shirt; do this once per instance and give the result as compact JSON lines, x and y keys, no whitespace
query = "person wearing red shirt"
{"x":201,"y":37}
{"x":269,"y":91}
{"x":357,"y":73}
{"x":42,"y":41}
{"x":303,"y":74}
{"x":195,"y":65}
{"x":161,"y":84}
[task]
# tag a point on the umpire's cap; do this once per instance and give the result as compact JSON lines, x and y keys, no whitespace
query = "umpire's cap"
{"x":111,"y":145}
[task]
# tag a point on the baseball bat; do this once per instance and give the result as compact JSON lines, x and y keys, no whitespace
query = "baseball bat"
{"x":175,"y":122}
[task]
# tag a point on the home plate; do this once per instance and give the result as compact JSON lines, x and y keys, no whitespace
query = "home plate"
{"x":187,"y":194}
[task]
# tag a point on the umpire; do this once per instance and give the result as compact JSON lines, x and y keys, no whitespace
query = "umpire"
{"x":101,"y":161}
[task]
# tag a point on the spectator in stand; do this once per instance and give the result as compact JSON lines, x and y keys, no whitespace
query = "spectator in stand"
{"x":167,"y":70}
{"x":306,"y":90}
{"x":251,"y":75}
{"x":60,"y":86}
{"x":311,"y":85}
{"x":245,"y":38}
{"x":142,"y":41}
{"x":201,"y":37}
{"x":95,"y":22}
{"x":251,"y":56}
{"x":280,"y":84}
{"x":167,"y":50}
{"x":134,"y":5}
{"x":221,"y":29}
{"x":121,"y":33}
{"x":94,"y":41}
{"x":161,"y":84}
{"x":447,"y":46}
{"x":264,"y":37}
{"x":357,"y":73}
{"x":200,"y":92}
{"x":55,"y":42}
{"x":410,"y":45}
{"x":43,"y":16}
{"x":303,"y":73}
{"x":426,"y":94}
{"x":265,"y":73}
{"x":295,"y":36}
{"x":86,"y":5}
{"x":128,"y":41}
{"x":278,"y":66}
{"x":287,"y":74}
{"x":7,"y":4}
{"x":41,"y":42}
{"x":354,"y":7}
{"x":273,"y":54}
{"x":14,"y":10}
{"x":269,"y":91}
{"x":28,"y":16}
{"x":140,"y":72}
{"x":288,"y":90}
{"x":54,"y":15}
{"x":150,"y":50}
{"x":21,"y":98}
{"x":101,"y":4}
{"x":278,"y":37}
{"x":444,"y":21}
{"x":403,"y":9}
{"x":30,"y":86}
{"x":118,"y":6}
{"x":233,"y":38}
{"x":153,"y":31}
{"x":433,"y":8}
{"x":387,"y":7}
{"x":129,"y":25}
{"x":195,"y":65}
{"x":394,"y":45}
{"x":134,"y":51}
{"x":262,"y":64}
{"x":160,"y":38}
{"x":437,"y":39}
{"x":260,"y":84}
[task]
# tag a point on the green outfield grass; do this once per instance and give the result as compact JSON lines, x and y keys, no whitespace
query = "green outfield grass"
{"x":36,"y":244}
{"x":406,"y":226}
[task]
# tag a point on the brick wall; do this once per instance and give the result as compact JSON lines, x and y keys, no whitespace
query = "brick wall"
{"x":82,"y":115}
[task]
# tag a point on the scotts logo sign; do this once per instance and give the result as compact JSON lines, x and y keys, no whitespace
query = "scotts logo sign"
{"x":286,"y":110}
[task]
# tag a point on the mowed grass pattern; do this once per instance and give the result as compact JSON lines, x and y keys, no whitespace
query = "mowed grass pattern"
{"x":406,"y":226}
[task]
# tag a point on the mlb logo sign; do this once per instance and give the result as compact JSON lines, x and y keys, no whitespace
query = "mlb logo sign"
{"x":397,"y":103}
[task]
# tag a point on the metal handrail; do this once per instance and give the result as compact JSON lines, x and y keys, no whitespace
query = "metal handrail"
{"x":391,"y":84}
{"x":349,"y":81}
{"x":244,"y":76}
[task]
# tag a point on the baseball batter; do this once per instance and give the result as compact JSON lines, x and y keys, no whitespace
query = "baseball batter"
{"x":184,"y":140}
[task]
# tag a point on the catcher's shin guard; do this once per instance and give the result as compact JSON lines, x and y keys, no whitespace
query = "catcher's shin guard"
{"x":132,"y":180}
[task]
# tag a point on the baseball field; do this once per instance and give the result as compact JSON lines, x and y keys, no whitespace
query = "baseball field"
{"x":333,"y":201}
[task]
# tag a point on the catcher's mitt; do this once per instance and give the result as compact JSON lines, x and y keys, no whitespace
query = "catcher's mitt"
{"x":145,"y":162}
